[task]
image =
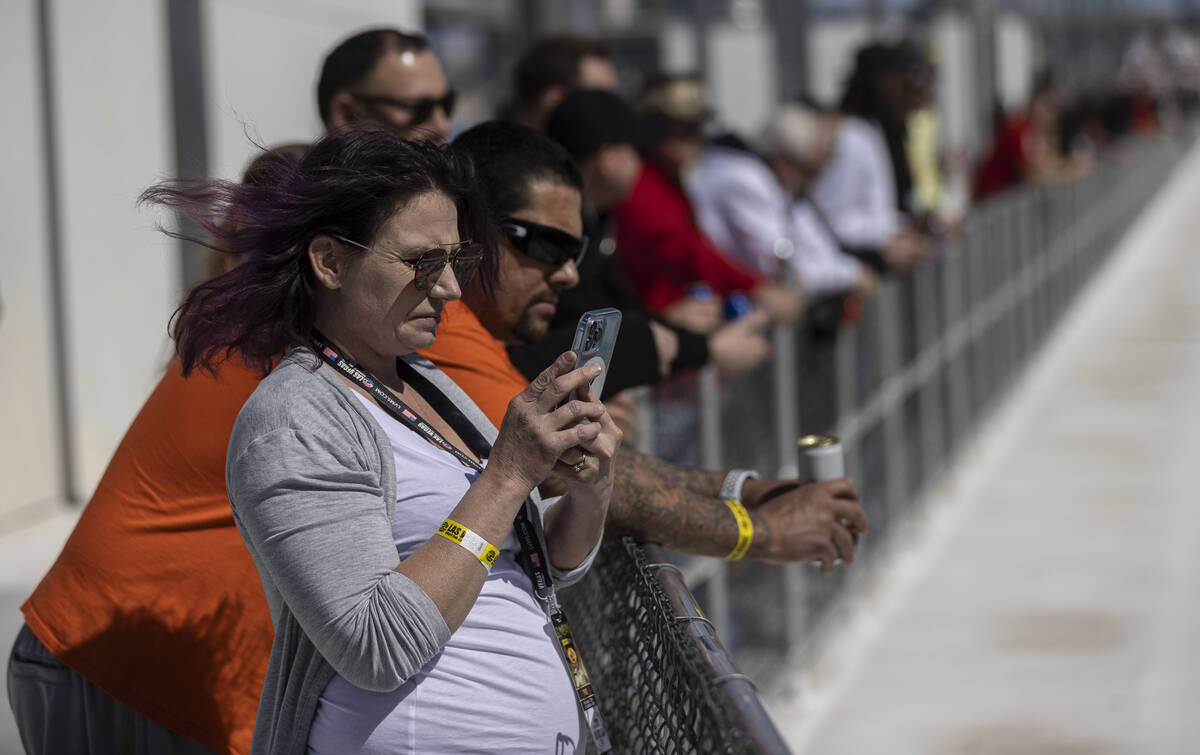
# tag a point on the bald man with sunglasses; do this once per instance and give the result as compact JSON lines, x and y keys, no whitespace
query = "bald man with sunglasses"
{"x":386,"y":76}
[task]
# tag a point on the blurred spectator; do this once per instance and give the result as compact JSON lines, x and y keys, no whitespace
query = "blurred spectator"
{"x":1181,"y":53}
{"x":550,"y":67}
{"x":390,"y":77}
{"x":858,"y":193}
{"x":657,"y":240}
{"x":672,"y":112}
{"x":755,"y":207}
{"x":921,"y":143}
{"x":1025,"y":145}
{"x":647,"y":349}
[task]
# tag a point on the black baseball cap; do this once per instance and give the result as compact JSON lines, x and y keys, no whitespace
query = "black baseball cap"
{"x":586,"y":120}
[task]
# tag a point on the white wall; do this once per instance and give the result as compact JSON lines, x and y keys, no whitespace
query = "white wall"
{"x":952,"y":38}
{"x":677,"y":45}
{"x":1018,"y":57}
{"x":29,"y":445}
{"x":831,"y":48}
{"x":264,"y":57}
{"x":742,"y":76}
{"x":113,"y":140}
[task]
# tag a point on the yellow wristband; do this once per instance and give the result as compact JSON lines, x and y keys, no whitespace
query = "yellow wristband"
{"x":745,"y":529}
{"x":480,"y":548}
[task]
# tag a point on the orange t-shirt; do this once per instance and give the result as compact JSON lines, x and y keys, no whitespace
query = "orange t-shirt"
{"x":154,"y":597}
{"x":476,"y":360}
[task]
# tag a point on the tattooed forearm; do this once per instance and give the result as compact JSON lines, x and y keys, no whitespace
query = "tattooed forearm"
{"x":656,"y":501}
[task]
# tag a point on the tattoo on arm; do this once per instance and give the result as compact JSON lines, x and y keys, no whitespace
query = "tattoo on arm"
{"x":699,"y":481}
{"x":656,"y":501}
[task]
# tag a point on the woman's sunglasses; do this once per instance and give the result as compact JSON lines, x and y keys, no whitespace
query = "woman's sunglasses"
{"x":419,"y":109}
{"x":463,"y":257}
{"x":543,"y":243}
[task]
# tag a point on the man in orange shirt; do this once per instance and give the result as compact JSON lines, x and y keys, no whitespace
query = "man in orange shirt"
{"x":535,"y":188}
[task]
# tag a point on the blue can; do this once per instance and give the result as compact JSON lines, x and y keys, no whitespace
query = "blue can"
{"x":737,"y":305}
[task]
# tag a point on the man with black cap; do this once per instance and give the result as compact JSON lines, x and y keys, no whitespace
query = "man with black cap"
{"x":660,"y":247}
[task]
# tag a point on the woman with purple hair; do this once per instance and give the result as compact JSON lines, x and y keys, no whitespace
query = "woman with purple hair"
{"x":399,"y":537}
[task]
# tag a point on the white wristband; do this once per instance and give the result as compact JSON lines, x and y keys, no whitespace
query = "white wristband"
{"x":732,"y":487}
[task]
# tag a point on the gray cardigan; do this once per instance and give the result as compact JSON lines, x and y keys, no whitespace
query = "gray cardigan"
{"x":311,"y":476}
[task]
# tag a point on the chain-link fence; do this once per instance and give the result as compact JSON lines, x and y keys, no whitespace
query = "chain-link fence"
{"x":664,"y":681}
{"x":904,"y":388}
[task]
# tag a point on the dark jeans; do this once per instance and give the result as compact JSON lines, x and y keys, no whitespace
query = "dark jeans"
{"x":58,"y":712}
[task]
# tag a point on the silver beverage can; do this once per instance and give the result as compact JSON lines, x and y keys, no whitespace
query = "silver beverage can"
{"x":821,"y":458}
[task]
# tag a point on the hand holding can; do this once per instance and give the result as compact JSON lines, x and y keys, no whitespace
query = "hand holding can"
{"x":821,"y":459}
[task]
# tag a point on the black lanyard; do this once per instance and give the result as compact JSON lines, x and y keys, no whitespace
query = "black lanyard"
{"x":527,"y":525}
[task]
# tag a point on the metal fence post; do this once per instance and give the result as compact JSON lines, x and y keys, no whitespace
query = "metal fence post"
{"x":709,"y":389}
{"x":895,"y":462}
{"x":787,"y":429}
{"x":643,"y":419}
{"x":929,"y":372}
{"x":785,"y":378}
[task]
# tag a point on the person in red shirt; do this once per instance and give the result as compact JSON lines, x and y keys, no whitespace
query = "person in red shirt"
{"x":660,"y":246}
{"x":1023,"y":147}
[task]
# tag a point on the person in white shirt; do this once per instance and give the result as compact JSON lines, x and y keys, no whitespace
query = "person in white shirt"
{"x":857,"y":194}
{"x":754,"y":207}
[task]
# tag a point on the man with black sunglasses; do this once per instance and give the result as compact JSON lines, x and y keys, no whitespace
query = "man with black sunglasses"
{"x":386,"y":76}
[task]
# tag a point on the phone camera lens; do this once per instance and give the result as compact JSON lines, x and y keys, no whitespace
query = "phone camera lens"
{"x":595,"y":333}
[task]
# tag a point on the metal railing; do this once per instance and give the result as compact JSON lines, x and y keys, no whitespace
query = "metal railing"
{"x":904,"y":388}
{"x":664,"y":681}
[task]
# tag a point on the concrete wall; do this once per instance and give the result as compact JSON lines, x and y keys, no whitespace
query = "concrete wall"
{"x":114,"y":135}
{"x":831,"y":47}
{"x":30,"y":460}
{"x":952,"y":36}
{"x":1018,"y":57}
{"x":742,"y":76}
{"x":112,"y":140}
{"x":263,"y":59}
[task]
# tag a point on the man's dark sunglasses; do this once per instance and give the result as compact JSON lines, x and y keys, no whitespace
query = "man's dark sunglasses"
{"x":551,"y":246}
{"x":419,"y":110}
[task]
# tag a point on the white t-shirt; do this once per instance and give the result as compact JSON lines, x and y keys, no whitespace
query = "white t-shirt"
{"x":498,"y":686}
{"x":743,"y":209}
{"x":857,"y":191}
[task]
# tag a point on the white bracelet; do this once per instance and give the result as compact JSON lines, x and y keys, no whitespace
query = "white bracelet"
{"x":732,"y":487}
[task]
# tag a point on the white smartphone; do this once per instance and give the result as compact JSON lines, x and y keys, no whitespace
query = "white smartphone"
{"x":595,"y":337}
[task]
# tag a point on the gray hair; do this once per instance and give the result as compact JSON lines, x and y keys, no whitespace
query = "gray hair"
{"x":794,"y":130}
